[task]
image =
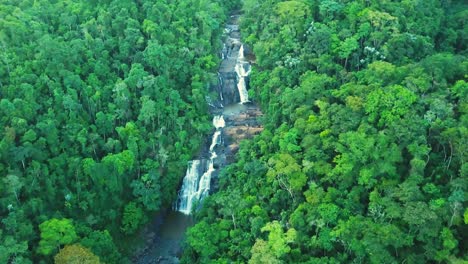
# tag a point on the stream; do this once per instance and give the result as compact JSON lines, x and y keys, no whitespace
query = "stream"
{"x":234,"y":118}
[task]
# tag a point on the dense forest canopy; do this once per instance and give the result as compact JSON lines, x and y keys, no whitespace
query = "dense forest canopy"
{"x":363,"y":158}
{"x":102,"y":103}
{"x":364,"y":154}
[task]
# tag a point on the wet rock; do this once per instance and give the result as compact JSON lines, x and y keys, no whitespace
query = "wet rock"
{"x":220,"y":161}
{"x":229,"y":88}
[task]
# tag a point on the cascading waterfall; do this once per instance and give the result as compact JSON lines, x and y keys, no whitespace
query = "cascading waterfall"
{"x":189,"y":187}
{"x":194,"y":187}
{"x":168,"y":230}
{"x":241,"y":52}
{"x":218,"y":121}
{"x":216,"y":140}
{"x":241,"y":75}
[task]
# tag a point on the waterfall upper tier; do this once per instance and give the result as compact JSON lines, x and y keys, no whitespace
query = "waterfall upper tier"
{"x":233,"y":82}
{"x":233,"y":88}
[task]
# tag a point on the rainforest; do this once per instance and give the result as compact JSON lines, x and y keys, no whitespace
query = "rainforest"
{"x":243,"y":131}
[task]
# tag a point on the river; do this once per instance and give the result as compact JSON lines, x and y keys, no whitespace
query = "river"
{"x":234,"y":118}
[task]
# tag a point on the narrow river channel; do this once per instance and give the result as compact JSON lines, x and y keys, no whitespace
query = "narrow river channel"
{"x":234,"y":118}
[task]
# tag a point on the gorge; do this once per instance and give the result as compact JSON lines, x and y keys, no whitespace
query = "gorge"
{"x":235,"y":118}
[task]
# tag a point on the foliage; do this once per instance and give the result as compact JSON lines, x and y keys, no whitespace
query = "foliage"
{"x":363,"y":157}
{"x":55,"y":233}
{"x":97,"y":99}
{"x":102,"y":244}
{"x":133,"y":217}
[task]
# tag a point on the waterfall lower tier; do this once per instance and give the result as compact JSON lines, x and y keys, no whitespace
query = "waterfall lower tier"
{"x":194,"y":187}
{"x":205,"y":182}
{"x":189,"y":187}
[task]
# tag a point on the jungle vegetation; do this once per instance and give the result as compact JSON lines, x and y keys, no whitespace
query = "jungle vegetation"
{"x":364,"y":154}
{"x":102,"y":103}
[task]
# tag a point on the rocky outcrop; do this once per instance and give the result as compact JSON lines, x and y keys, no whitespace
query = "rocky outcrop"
{"x":239,"y":126}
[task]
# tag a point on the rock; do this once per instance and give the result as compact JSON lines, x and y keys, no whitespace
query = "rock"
{"x":220,"y":161}
{"x":229,"y":89}
{"x":233,"y":147}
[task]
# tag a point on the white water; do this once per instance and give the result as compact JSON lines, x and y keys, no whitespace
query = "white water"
{"x":205,"y":180}
{"x":218,"y":121}
{"x":223,"y":52}
{"x":241,"y":52}
{"x":220,"y":79}
{"x":240,"y":69}
{"x":194,"y":187}
{"x":241,"y":75}
{"x":244,"y":95}
{"x":189,"y":187}
{"x":216,"y":140}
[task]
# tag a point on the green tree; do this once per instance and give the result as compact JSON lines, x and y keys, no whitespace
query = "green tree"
{"x":132,"y":219}
{"x":102,"y":244}
{"x":148,"y":191}
{"x":55,"y":233}
{"x":262,"y":254}
{"x":288,"y":174}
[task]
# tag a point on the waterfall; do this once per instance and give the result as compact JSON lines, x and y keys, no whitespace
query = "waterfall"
{"x":239,"y":70}
{"x":241,"y":75}
{"x":205,"y":180}
{"x":197,"y":181}
{"x":223,"y":51}
{"x":216,"y":140}
{"x":220,"y":84}
{"x":218,"y":122}
{"x":244,"y":95}
{"x":194,"y":187}
{"x":241,"y":52}
{"x":189,"y":187}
